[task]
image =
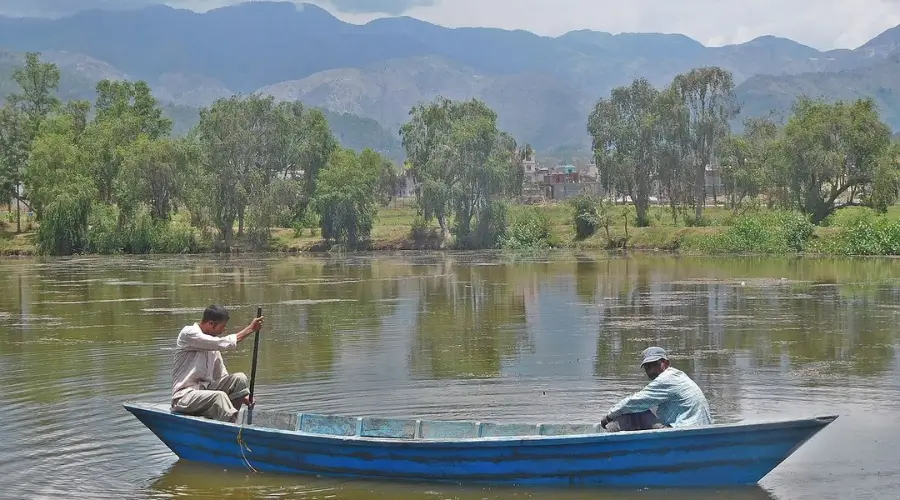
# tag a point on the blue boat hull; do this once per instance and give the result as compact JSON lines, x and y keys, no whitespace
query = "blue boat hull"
{"x":723,"y":455}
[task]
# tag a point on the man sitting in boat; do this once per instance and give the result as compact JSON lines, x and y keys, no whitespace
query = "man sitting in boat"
{"x":201,"y":384}
{"x":678,"y":399}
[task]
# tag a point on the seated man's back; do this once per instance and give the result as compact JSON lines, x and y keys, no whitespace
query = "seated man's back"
{"x":679,"y":400}
{"x":684,"y":403}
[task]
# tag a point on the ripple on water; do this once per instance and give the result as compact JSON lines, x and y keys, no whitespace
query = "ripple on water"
{"x":303,"y":302}
{"x":101,"y":301}
{"x":184,"y":310}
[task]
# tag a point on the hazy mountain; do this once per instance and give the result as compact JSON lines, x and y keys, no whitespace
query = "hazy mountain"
{"x":181,"y":96}
{"x":531,"y":106}
{"x":879,"y":80}
{"x":251,"y":45}
{"x":542,"y":87}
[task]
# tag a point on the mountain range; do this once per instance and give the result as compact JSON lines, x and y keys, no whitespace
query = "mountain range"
{"x":368,"y":76}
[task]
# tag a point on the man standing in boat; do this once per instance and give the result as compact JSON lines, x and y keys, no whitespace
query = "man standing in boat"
{"x":200,"y":383}
{"x":678,"y":399}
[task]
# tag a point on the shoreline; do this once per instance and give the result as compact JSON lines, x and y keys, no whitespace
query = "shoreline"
{"x":652,"y":240}
{"x":856,"y":232}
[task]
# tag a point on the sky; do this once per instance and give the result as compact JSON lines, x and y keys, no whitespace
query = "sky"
{"x":823,"y":24}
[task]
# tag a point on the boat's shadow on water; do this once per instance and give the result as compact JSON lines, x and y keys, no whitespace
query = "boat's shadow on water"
{"x":186,"y":479}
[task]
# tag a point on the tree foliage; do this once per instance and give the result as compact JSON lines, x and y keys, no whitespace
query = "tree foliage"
{"x":460,"y":162}
{"x":249,"y":143}
{"x":708,"y":102}
{"x":673,"y":141}
{"x":832,"y":151}
{"x":346,"y":196}
{"x":627,"y":132}
{"x":109,"y":176}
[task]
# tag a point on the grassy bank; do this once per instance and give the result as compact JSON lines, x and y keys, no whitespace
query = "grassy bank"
{"x":851,"y":231}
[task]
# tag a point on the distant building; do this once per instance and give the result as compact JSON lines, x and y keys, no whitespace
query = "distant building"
{"x":567,"y":181}
{"x":592,"y":172}
{"x":530,"y":166}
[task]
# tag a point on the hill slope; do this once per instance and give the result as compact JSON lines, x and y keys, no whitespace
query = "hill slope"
{"x":181,"y":100}
{"x":251,"y":45}
{"x":880,"y":81}
{"x":533,"y":107}
{"x":542,"y":87}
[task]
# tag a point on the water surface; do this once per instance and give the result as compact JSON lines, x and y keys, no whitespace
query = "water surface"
{"x":445,"y":335}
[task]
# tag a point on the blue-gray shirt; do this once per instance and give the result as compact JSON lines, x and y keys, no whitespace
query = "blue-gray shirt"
{"x":678,"y":399}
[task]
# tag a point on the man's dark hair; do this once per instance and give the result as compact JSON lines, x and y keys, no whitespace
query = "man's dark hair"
{"x":215,"y":313}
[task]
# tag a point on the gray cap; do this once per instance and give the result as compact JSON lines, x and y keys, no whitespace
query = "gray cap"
{"x":652,"y":354}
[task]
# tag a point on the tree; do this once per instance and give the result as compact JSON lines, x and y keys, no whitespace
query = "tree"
{"x":749,"y":160}
{"x":133,"y":104}
{"x":14,"y":148}
{"x":227,"y":157}
{"x":424,"y":139}
{"x":20,"y":120}
{"x":708,"y":95}
{"x":831,"y":150}
{"x":514,"y":179}
{"x":39,"y":82}
{"x":627,"y":137}
{"x":154,"y":172}
{"x":345,"y":197}
{"x":124,"y":110}
{"x":318,"y":145}
{"x":250,"y":143}
{"x":61,"y":187}
{"x":388,"y":181}
{"x":674,"y":168}
{"x":886,"y":184}
{"x":459,"y":159}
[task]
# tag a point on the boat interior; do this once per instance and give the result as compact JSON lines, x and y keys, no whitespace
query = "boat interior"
{"x":378,"y":427}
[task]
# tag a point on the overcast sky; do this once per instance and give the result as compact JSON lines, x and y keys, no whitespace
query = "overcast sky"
{"x":823,"y":24}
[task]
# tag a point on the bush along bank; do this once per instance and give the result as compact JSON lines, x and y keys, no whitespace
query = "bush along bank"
{"x":515,"y":228}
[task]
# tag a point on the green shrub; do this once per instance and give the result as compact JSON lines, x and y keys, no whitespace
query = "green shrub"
{"x":767,"y":232}
{"x":140,"y":234}
{"x":492,"y":226}
{"x":64,"y":225}
{"x":176,"y":236}
{"x":104,"y":236}
{"x":862,"y":231}
{"x":586,"y":217}
{"x":529,"y":228}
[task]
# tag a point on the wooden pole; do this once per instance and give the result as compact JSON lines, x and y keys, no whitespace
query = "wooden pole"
{"x":253,"y":367}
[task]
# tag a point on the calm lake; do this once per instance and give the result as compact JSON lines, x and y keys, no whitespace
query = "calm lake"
{"x":445,"y":335}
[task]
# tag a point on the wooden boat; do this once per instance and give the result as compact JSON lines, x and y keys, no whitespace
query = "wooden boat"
{"x":483,"y":452}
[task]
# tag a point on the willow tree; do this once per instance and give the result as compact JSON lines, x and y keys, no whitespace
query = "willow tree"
{"x":60,"y":186}
{"x":709,"y":99}
{"x":346,"y":196}
{"x":626,"y":134}
{"x":833,"y":149}
{"x":674,"y":172}
{"x":460,"y":161}
{"x":257,"y":154}
{"x":750,"y":161}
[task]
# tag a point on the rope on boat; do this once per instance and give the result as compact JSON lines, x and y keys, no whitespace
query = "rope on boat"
{"x":243,"y":444}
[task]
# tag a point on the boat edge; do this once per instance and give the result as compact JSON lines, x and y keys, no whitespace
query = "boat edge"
{"x":821,"y":422}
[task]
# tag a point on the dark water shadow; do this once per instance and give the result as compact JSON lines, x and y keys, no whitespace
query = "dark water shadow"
{"x":186,"y":479}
